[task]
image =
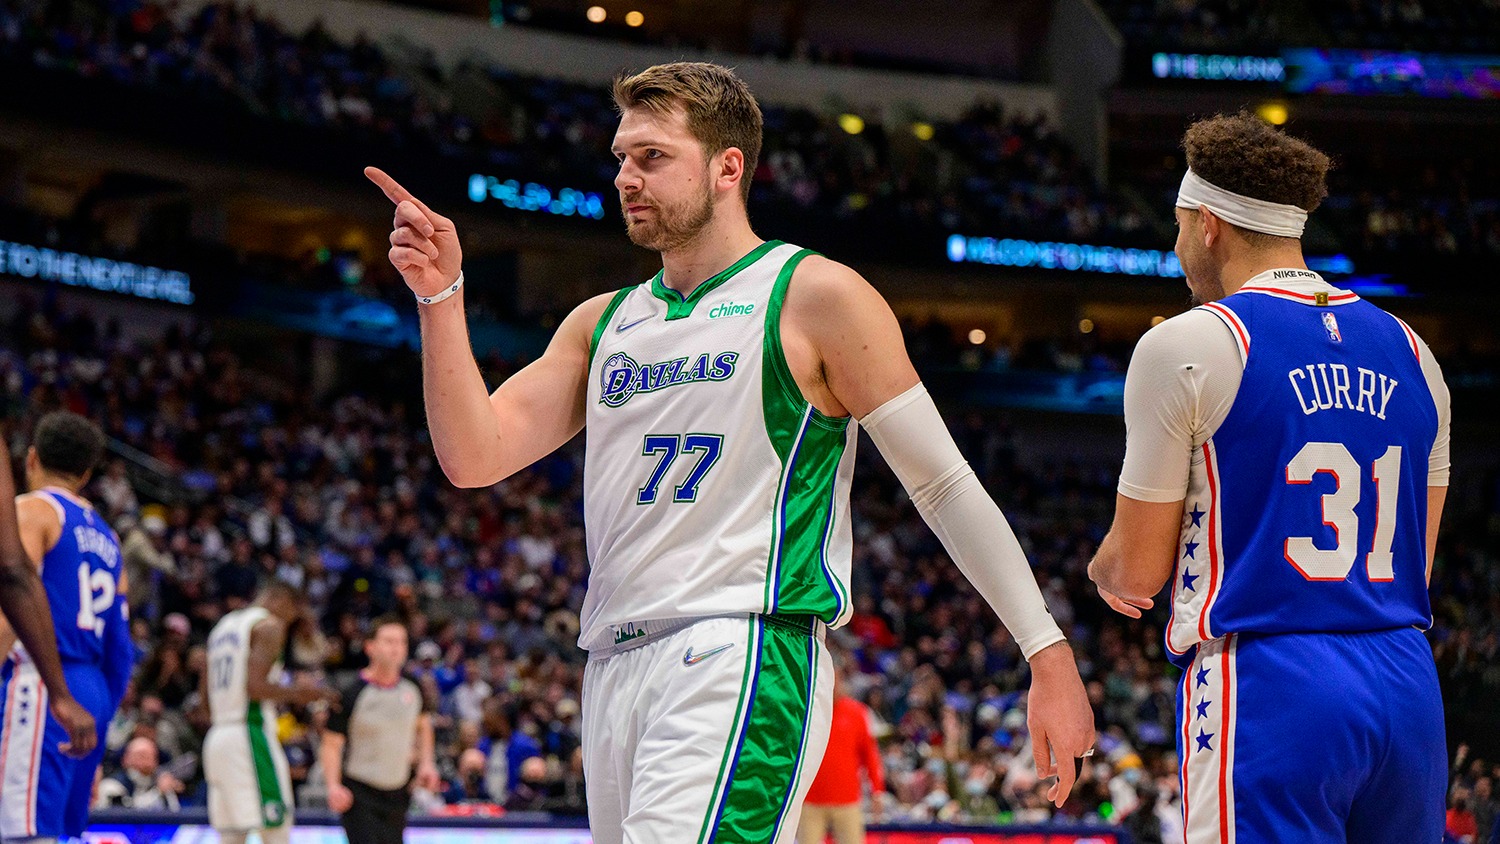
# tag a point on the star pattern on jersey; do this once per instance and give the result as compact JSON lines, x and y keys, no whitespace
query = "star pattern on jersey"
{"x":1188,"y":578}
{"x":1196,"y":515}
{"x":1203,"y":708}
{"x":1203,"y":676}
{"x":1190,"y":550}
{"x":1204,"y":741}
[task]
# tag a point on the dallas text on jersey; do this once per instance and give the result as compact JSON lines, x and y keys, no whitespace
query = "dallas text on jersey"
{"x":621,"y":377}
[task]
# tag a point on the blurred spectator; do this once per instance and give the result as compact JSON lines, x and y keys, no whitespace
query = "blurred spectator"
{"x":468,"y":784}
{"x":834,"y":798}
{"x":1485,"y":809}
{"x":138,"y":784}
{"x":1460,"y":820}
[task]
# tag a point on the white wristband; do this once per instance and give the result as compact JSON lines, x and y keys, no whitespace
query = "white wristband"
{"x":452,"y":289}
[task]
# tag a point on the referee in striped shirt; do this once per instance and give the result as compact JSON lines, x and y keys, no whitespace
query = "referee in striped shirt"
{"x":372,"y":741}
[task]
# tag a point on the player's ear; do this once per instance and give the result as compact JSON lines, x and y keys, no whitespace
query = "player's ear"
{"x":1213,"y":227}
{"x":730,"y":170}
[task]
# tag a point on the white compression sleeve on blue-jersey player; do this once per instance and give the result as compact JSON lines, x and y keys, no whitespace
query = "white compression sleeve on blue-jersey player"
{"x":913,"y":439}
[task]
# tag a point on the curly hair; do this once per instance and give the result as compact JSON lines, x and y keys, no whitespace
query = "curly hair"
{"x":1243,"y":154}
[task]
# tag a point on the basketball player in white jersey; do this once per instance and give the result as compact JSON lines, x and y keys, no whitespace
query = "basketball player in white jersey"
{"x":721,"y":399}
{"x":249,"y":783}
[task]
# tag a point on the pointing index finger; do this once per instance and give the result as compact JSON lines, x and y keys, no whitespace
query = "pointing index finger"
{"x":398,"y":194}
{"x":393,"y":190}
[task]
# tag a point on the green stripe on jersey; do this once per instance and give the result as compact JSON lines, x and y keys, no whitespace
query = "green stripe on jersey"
{"x":679,"y":307}
{"x":609,"y":311}
{"x":810,"y":446}
{"x":768,"y":755}
{"x":272,"y":802}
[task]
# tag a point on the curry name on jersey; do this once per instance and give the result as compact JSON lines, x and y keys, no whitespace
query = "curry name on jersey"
{"x":1307,"y":508}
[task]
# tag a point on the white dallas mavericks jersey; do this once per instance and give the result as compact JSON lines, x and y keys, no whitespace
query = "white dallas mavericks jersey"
{"x":228,"y":663}
{"x":711,"y":487}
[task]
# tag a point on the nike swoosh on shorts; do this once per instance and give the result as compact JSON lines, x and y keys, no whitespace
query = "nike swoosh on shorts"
{"x":691,"y":658}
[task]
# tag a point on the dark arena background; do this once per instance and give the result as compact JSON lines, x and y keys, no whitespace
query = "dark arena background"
{"x":190,"y":256}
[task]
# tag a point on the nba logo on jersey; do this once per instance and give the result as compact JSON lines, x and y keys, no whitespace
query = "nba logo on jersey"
{"x":1331,"y":323}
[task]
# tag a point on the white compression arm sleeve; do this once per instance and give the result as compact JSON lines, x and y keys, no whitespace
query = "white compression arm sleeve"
{"x":914,"y":441}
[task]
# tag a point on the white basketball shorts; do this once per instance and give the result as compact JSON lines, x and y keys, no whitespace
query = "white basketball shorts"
{"x":709,"y":734}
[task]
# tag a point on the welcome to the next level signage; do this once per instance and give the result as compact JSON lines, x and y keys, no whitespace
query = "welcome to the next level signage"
{"x":39,"y":263}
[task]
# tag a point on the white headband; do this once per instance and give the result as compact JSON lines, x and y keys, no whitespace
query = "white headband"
{"x":1257,"y":215}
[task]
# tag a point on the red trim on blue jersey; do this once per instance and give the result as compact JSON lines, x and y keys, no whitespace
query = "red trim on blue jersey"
{"x":1224,"y":746}
{"x":1411,"y":338}
{"x":1187,"y":740}
{"x":10,"y":704}
{"x":36,"y":754}
{"x":1236,"y":326}
{"x":1213,"y":545}
{"x":1172,"y":620}
{"x":1341,"y":298}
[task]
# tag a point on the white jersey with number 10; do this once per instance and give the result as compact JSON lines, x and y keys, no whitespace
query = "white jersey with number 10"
{"x":228,"y":663}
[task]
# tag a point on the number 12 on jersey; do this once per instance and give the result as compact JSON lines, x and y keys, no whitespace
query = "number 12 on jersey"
{"x":1316,"y":563}
{"x":670,"y":447}
{"x":96,"y":594}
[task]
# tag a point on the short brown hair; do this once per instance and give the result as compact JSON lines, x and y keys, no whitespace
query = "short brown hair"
{"x":721,"y":112}
{"x":388,"y":620}
{"x":1243,"y":154}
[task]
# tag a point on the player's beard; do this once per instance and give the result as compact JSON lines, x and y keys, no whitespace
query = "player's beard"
{"x":1205,"y":291}
{"x":672,"y":226}
{"x":1205,"y":281}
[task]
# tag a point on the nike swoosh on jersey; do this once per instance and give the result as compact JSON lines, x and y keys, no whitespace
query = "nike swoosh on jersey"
{"x":626,"y":326}
{"x":691,"y":658}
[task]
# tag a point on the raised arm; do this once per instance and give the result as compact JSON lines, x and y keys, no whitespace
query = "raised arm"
{"x":845,"y":349}
{"x":480,"y":438}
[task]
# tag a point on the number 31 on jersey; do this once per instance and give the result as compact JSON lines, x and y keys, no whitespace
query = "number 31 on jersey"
{"x":1335,"y":563}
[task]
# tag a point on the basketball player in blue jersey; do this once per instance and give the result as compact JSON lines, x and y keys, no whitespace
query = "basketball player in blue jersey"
{"x":721,"y":399}
{"x":1286,"y":464}
{"x":44,"y":792}
{"x":24,"y":614}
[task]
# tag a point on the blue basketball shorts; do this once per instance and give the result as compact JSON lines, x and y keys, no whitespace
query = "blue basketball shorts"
{"x":1315,"y":738}
{"x":43,"y":792}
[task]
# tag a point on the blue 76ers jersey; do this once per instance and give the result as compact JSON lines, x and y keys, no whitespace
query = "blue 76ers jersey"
{"x":82,"y":576}
{"x":1307,"y":509}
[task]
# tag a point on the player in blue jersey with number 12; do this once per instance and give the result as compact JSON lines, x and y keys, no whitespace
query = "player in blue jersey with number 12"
{"x":44,"y":790}
{"x":1286,"y":464}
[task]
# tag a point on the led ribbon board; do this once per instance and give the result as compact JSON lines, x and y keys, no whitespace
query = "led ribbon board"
{"x":531,"y":196}
{"x":1083,"y":257}
{"x":1386,"y":73}
{"x":39,"y":263}
{"x":1217,"y":68}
